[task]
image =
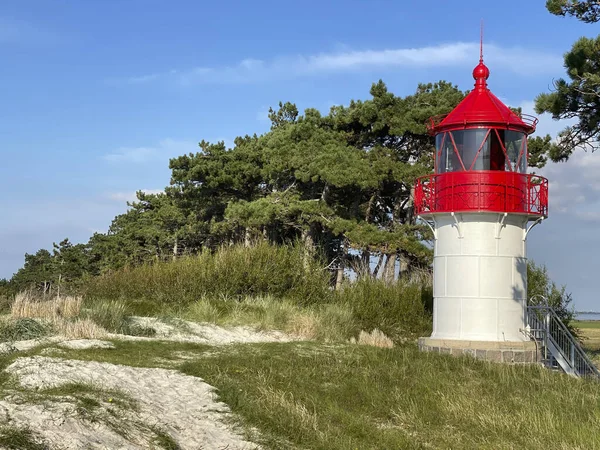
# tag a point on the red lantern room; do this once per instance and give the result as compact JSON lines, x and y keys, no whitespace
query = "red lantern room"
{"x":481,"y":159}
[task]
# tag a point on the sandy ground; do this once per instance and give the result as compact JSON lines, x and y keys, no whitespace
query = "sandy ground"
{"x":182,"y":406}
{"x":204,"y":333}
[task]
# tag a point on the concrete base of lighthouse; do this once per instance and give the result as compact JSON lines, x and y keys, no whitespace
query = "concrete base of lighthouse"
{"x":526,"y":352}
{"x":480,"y":287}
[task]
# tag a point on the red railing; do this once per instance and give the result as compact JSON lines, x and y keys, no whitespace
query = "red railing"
{"x":486,"y":191}
{"x":475,"y":118}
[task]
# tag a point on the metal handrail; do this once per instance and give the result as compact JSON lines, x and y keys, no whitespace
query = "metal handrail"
{"x":559,"y":341}
{"x":493,"y":191}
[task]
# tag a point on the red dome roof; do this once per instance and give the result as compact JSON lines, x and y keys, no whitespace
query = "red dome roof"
{"x":482,"y":108}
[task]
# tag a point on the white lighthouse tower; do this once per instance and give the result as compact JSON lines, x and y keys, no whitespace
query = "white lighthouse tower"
{"x":481,"y":204}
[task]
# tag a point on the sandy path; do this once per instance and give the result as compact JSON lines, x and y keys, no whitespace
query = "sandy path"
{"x":183,"y":406}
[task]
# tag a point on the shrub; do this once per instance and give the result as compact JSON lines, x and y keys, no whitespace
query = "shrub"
{"x":22,"y":329}
{"x":236,"y":271}
{"x":112,"y":316}
{"x":395,"y":309}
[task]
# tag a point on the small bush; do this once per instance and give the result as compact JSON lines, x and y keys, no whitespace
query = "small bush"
{"x":22,"y":329}
{"x":110,"y":315}
{"x":375,"y":339}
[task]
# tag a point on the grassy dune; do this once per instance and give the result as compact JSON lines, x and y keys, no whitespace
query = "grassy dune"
{"x":344,"y":396}
{"x":327,"y":393}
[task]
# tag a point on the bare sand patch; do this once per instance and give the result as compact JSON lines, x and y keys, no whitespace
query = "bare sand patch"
{"x":183,"y":406}
{"x":203,"y":333}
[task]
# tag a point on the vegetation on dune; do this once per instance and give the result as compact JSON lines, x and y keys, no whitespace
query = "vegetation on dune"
{"x":15,"y":438}
{"x":232,"y":272}
{"x":306,"y":395}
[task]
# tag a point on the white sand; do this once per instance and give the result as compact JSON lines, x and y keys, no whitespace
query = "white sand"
{"x":183,"y":406}
{"x":204,"y":333}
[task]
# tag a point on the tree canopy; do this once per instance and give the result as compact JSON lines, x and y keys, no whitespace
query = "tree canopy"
{"x":578,"y":96}
{"x":340,"y":185}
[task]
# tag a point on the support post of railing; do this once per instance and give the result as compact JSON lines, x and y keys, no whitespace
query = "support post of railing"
{"x":528,"y":194}
{"x":546,"y":332}
{"x":573,"y":358}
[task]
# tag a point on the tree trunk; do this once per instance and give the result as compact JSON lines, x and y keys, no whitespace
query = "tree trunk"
{"x":365,"y":263}
{"x":175,"y":249}
{"x":410,"y":213}
{"x":308,"y":239}
{"x":59,"y":281}
{"x":339,"y":278}
{"x":370,"y":207}
{"x":404,"y":266}
{"x":389,"y":274}
{"x":325,"y":194}
{"x":247,"y":237}
{"x":378,"y":266}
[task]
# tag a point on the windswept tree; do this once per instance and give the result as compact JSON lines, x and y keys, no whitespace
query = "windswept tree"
{"x":337,"y":182}
{"x":578,"y":96}
{"x":340,"y":183}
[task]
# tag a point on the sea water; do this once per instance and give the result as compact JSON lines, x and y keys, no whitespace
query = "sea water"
{"x":587,"y":316}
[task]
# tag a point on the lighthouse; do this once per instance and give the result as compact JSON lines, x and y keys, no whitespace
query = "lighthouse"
{"x":481,"y":205}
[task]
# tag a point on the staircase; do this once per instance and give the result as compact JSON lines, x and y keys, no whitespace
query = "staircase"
{"x":559,"y":348}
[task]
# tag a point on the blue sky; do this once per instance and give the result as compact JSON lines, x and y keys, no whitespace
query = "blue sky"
{"x":99,"y":94}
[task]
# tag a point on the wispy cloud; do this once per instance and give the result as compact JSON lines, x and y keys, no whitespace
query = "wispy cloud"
{"x":131,"y":196}
{"x":518,"y":60}
{"x":167,"y":148}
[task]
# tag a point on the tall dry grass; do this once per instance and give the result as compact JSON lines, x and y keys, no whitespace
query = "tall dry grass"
{"x":28,"y":305}
{"x":62,"y":314}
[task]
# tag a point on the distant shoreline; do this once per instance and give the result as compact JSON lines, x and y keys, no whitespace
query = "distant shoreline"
{"x":587,"y":315}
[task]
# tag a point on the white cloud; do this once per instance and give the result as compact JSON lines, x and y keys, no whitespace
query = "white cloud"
{"x":518,"y":60}
{"x":167,"y":148}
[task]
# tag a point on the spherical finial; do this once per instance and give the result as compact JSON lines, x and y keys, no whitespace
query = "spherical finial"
{"x":481,"y":71}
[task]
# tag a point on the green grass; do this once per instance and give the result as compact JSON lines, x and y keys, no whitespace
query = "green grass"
{"x":343,"y":396}
{"x":20,"y":438}
{"x":326,"y":322}
{"x":589,"y":332}
{"x":586,"y":324}
{"x":138,"y":353}
{"x":164,"y":440}
{"x":266,"y":286}
{"x":235,"y":271}
{"x":112,"y":316}
{"x":355,"y":397}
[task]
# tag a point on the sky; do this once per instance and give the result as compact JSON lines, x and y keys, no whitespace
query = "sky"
{"x":97,"y":95}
